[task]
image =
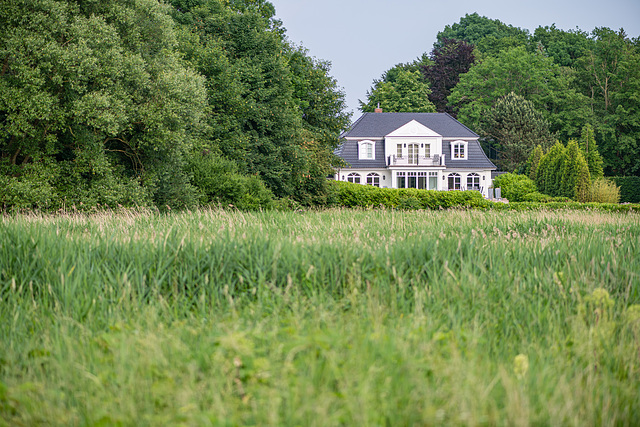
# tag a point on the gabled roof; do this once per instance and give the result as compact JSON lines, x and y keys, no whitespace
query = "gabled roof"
{"x":379,"y":125}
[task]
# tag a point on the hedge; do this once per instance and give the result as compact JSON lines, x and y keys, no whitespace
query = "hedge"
{"x":629,"y":188}
{"x":365,"y":196}
{"x":529,"y":206}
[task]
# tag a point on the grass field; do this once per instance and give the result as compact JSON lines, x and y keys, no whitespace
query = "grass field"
{"x":324,"y":318}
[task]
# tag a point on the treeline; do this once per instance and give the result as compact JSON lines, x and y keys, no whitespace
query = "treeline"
{"x":176,"y":105}
{"x":518,"y":90}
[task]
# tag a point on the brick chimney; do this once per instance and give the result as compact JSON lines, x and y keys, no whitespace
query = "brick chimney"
{"x":378,"y":110}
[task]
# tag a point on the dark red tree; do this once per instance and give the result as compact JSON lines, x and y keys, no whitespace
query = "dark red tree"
{"x":449,"y":60}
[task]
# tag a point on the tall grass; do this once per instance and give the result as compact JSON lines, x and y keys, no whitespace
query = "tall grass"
{"x":320,"y":318}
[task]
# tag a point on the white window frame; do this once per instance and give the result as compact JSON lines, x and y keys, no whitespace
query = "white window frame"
{"x":464,"y":146}
{"x":373,"y":178}
{"x":474,"y":177}
{"x":363,"y":152}
{"x":352,"y":177}
{"x":454,"y":176}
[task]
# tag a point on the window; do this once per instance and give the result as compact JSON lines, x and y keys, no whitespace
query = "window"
{"x":401,"y":180}
{"x":366,"y":150}
{"x":399,"y":151}
{"x":353,"y":177}
{"x":454,"y":181}
{"x":433,"y":180}
{"x":459,"y":150}
{"x":427,"y":150}
{"x":412,"y":181}
{"x":373,"y":179}
{"x":413,"y":154}
{"x":422,"y":180}
{"x":473,"y":181}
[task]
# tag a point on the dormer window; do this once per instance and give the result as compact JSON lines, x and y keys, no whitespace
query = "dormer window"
{"x":459,"y":150}
{"x":366,"y":150}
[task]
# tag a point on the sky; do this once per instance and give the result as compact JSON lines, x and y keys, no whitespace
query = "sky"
{"x":364,"y":38}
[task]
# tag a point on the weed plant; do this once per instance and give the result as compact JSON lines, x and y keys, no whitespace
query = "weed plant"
{"x":337,"y":317}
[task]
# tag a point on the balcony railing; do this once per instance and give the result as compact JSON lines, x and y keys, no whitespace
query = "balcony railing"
{"x":435,"y":160}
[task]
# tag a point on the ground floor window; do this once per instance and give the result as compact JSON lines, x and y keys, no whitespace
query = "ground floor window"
{"x":454,"y":181}
{"x":433,"y":180}
{"x":422,"y":180}
{"x":473,"y":181}
{"x":373,"y":179}
{"x":353,"y":177}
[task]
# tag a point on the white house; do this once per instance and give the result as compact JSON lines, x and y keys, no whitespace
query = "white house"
{"x":414,"y":150}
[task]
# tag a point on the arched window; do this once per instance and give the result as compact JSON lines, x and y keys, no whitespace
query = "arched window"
{"x":473,"y":181}
{"x":353,"y":177}
{"x":366,"y":150}
{"x":454,"y":181}
{"x":459,"y":150}
{"x":373,"y":179}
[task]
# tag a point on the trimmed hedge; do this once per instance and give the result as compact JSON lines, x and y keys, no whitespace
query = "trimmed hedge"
{"x":629,"y":188}
{"x":530,"y":206}
{"x":365,"y":196}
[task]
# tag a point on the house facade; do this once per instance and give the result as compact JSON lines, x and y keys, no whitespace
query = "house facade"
{"x":430,"y":151}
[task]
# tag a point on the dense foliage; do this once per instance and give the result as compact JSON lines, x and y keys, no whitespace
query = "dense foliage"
{"x":564,"y":79}
{"x":365,"y":196}
{"x":116,"y":103}
{"x":196,"y":102}
{"x":629,"y":188}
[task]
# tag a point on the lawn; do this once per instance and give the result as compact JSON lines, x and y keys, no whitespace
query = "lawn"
{"x":335,"y":317}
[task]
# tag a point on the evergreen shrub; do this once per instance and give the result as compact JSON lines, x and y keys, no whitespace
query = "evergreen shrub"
{"x":366,"y":196}
{"x":514,"y":187}
{"x":629,"y":188}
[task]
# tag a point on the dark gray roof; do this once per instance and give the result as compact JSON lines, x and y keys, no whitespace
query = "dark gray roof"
{"x":348,"y":150}
{"x":476,"y":158}
{"x":378,"y":125}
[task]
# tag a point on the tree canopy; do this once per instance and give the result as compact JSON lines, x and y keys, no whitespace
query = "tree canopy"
{"x":572,"y":78}
{"x":122,"y":102}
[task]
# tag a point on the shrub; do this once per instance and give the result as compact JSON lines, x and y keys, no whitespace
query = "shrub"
{"x":218,"y":182}
{"x":604,"y":191}
{"x":514,"y":187}
{"x":366,"y":196}
{"x":629,"y":188}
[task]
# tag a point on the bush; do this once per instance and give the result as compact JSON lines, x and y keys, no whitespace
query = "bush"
{"x":218,"y":182}
{"x":604,"y":191}
{"x":366,"y":196}
{"x":538,"y":197}
{"x":629,"y":188}
{"x":514,"y":187}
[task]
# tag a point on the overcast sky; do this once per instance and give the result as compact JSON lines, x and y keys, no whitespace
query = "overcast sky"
{"x":364,"y":38}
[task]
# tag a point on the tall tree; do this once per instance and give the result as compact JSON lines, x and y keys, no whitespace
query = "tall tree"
{"x":448,"y":61}
{"x":95,"y":96}
{"x":532,"y":76}
{"x":514,"y":128}
{"x":610,"y":76}
{"x":273,"y":110}
{"x":490,"y":36}
{"x":575,"y":176}
{"x":590,"y":151}
{"x":408,"y":92}
{"x":564,"y":47}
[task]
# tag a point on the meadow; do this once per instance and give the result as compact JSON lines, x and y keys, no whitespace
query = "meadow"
{"x":327,"y":318}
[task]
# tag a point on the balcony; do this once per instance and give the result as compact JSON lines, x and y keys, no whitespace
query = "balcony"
{"x":435,"y":160}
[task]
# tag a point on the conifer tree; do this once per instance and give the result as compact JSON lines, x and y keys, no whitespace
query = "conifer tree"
{"x":575,"y":177}
{"x":590,"y":151}
{"x":514,"y":127}
{"x":534,"y":162}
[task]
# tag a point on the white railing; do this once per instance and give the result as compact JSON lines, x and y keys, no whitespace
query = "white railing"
{"x":435,"y":160}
